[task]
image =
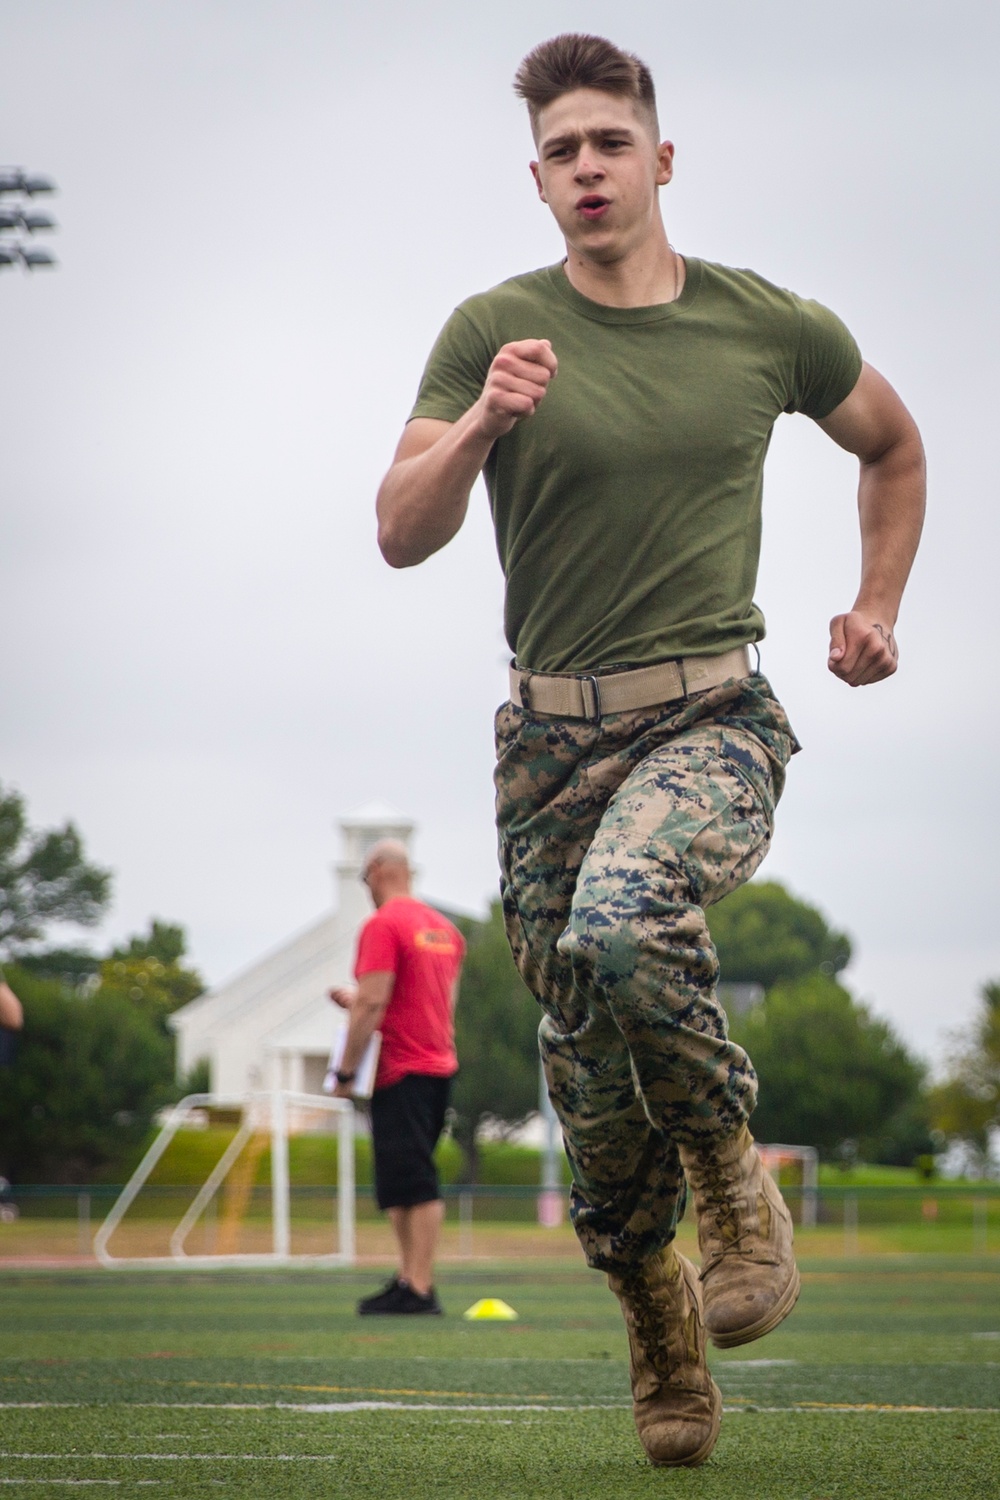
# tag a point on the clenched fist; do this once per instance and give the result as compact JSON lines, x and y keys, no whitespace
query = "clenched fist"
{"x":515,"y":384}
{"x":862,"y":649}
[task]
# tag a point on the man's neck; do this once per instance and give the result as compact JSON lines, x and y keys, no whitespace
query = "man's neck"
{"x":388,"y":893}
{"x":647,"y":276}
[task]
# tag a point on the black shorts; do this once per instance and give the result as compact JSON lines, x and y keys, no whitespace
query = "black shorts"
{"x":407,"y":1119}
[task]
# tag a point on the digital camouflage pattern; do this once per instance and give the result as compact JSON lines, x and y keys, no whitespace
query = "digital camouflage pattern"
{"x":613,"y":838}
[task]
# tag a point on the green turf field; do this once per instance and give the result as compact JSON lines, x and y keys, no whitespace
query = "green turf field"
{"x":885,"y":1382}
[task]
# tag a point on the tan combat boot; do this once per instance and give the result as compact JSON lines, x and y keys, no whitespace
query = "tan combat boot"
{"x":748,"y":1273}
{"x":676,"y":1403}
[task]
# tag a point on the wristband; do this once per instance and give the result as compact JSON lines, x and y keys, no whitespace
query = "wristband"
{"x":345,"y":1077}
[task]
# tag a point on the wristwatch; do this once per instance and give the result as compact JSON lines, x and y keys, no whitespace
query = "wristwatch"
{"x":345,"y":1077}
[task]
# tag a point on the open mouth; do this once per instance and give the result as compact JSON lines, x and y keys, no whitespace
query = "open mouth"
{"x":593,"y":206}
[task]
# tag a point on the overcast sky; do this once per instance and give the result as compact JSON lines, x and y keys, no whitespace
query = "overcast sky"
{"x":267,"y":209}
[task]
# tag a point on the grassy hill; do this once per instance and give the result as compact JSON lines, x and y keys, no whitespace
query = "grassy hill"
{"x":312,"y":1161}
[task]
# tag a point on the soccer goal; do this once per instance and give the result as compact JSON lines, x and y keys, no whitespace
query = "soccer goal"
{"x":804,"y":1161}
{"x":265,"y":1120}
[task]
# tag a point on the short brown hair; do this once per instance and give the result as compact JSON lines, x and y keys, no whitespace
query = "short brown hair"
{"x":577,"y":61}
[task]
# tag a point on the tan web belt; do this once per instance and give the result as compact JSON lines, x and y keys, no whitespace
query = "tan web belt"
{"x":588,"y":697}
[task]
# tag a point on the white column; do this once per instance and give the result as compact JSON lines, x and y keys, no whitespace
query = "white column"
{"x":279,"y":1175}
{"x":345,"y":1184}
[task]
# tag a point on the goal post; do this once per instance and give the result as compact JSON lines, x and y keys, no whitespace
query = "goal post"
{"x":779,"y":1155}
{"x":262,"y":1115}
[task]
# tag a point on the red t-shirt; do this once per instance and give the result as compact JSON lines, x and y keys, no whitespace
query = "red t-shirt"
{"x":424,"y":951}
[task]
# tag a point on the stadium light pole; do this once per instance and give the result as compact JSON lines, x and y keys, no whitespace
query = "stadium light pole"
{"x":18,"y":218}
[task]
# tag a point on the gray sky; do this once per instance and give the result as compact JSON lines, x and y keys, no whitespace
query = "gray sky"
{"x":267,"y":211}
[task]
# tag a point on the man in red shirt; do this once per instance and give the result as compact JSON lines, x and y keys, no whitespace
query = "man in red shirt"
{"x":407,"y":969}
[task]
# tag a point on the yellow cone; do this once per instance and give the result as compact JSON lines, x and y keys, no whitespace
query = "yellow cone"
{"x":491,"y":1307}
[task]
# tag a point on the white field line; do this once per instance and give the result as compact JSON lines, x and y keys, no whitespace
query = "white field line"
{"x":318,"y":1407}
{"x":805,"y":1408}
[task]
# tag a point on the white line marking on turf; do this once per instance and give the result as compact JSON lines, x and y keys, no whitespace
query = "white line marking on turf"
{"x":177,"y":1458}
{"x":317,"y":1406}
{"x":347,"y":1406}
{"x":329,"y":1408}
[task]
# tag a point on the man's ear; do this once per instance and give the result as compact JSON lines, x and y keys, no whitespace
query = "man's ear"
{"x":538,"y":180}
{"x":664,"y":163}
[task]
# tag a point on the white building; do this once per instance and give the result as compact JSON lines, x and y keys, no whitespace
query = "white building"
{"x":272,"y":1025}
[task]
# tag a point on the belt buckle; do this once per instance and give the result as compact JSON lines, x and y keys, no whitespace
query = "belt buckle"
{"x":593,"y":716}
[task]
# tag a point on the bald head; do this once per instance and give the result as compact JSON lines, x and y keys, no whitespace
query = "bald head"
{"x":386,"y":852}
{"x":386,"y":870}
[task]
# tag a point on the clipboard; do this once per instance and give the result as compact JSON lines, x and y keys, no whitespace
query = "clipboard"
{"x":364,"y":1074}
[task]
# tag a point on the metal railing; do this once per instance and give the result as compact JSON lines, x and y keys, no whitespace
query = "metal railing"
{"x":969,"y":1213}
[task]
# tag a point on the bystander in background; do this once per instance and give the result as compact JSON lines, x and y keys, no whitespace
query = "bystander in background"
{"x":407,"y":969}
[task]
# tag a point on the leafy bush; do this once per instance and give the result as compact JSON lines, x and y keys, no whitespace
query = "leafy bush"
{"x":89,"y":1075}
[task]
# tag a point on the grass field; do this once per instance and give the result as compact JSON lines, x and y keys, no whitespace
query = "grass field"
{"x":885,"y":1382}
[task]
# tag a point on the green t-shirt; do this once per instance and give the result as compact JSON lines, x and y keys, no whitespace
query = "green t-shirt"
{"x":628,"y":508}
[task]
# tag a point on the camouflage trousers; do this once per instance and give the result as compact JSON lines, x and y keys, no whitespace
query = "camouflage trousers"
{"x":614,"y":836}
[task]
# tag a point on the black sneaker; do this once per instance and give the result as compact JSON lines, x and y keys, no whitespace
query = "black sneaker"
{"x":398,"y":1297}
{"x":381,"y":1302}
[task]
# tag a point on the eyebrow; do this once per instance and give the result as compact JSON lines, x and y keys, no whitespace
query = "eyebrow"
{"x":599,"y":134}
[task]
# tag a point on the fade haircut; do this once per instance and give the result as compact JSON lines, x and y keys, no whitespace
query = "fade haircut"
{"x":577,"y":61}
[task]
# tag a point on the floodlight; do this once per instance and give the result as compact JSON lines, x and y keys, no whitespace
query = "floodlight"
{"x":14,"y":218}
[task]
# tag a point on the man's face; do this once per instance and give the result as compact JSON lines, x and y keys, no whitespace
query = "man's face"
{"x":598,"y":169}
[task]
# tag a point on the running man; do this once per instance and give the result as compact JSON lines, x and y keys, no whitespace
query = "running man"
{"x":620,"y":405}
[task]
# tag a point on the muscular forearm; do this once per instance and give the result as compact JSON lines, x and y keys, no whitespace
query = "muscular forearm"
{"x":874,"y":424}
{"x":423,"y":499}
{"x":365,"y":1016}
{"x":891,"y":497}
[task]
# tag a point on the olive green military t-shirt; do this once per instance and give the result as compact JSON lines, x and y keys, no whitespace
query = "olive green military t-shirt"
{"x":628,"y":508}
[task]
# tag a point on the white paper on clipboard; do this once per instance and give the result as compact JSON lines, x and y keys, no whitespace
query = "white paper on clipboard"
{"x":364,"y":1073}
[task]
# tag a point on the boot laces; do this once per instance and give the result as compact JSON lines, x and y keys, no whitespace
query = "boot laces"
{"x":649,"y":1322}
{"x":731,"y":1226}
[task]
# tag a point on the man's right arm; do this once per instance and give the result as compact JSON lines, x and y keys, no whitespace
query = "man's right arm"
{"x":11,"y":1014}
{"x":423,"y":499}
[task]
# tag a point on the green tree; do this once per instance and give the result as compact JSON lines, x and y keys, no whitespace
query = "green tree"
{"x":764,"y":935}
{"x":831,"y":1072}
{"x":148,"y":972}
{"x":74,"y":967}
{"x":44,"y":878}
{"x":90,"y":1072}
{"x":965,"y":1106}
{"x":496,"y":1035}
{"x":93,"y":1065}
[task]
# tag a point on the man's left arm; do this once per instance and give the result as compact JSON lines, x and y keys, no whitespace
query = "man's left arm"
{"x":365,"y":1009}
{"x":874,"y":424}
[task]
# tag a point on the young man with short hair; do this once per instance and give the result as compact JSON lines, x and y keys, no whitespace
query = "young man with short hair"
{"x":620,"y":405}
{"x":407,"y":970}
